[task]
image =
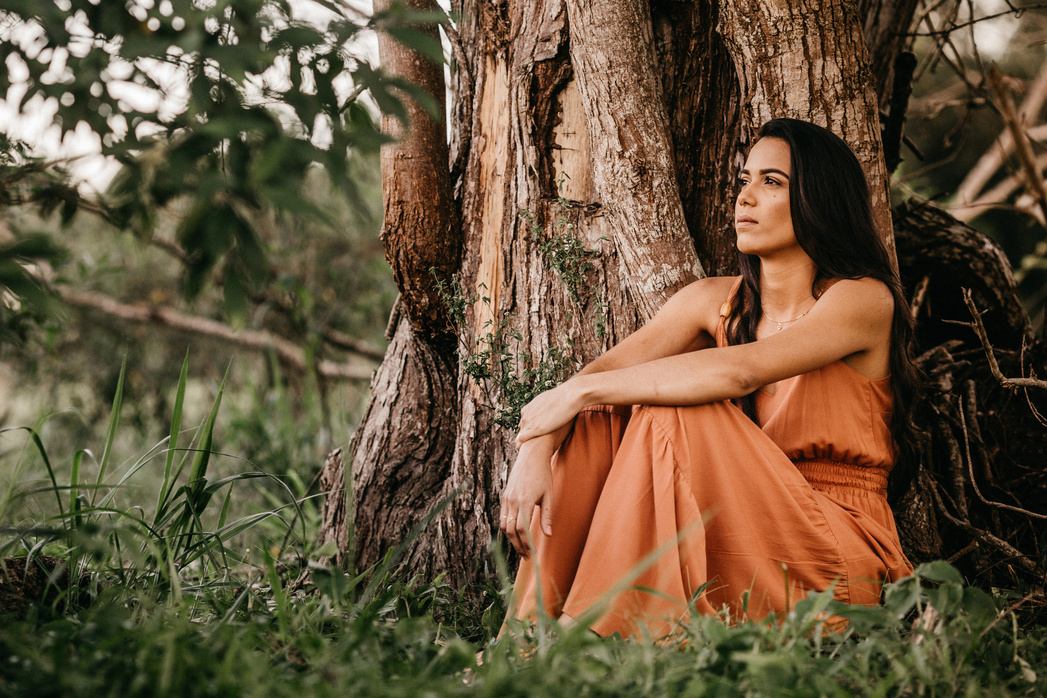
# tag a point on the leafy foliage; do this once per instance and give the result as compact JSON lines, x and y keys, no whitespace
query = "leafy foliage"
{"x":227,"y":103}
{"x":511,"y":377}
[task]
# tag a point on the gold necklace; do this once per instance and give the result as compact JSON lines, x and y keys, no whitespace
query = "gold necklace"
{"x":785,"y":322}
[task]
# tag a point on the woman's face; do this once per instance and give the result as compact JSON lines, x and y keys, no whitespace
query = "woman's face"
{"x":762,"y":215}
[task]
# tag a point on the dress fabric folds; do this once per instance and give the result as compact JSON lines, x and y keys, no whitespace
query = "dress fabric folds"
{"x":652,"y":503}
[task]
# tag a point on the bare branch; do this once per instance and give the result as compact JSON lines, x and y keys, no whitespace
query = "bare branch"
{"x":997,"y":196}
{"x":994,"y":158}
{"x":341,"y":340}
{"x":1014,"y":12}
{"x":1006,"y":548}
{"x":259,"y":340}
{"x":1005,"y":103}
{"x":974,"y":483}
{"x":994,"y":366}
{"x":169,"y":246}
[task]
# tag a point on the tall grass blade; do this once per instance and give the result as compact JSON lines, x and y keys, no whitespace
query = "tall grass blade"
{"x":203,"y":453}
{"x":35,"y":438}
{"x":74,"y":488}
{"x":114,"y":422}
{"x":279,"y":595}
{"x":172,"y":442}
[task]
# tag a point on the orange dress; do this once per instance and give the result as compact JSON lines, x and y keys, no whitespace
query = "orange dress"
{"x":651,"y":503}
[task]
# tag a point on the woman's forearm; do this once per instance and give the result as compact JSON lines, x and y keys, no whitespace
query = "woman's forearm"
{"x":688,"y":379}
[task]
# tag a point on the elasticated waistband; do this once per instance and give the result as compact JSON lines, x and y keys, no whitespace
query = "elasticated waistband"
{"x":829,"y":474}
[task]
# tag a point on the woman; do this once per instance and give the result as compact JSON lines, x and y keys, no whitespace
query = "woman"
{"x":769,"y":411}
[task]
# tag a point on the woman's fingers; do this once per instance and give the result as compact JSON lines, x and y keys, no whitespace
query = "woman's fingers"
{"x":516,"y":525}
{"x":521,"y":527}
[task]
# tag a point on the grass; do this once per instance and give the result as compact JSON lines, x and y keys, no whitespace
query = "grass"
{"x":189,"y":598}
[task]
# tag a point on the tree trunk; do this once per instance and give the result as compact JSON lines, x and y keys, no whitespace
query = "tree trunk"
{"x":587,"y":138}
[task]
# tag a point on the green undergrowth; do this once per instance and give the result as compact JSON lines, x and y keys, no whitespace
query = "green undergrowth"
{"x":169,"y":592}
{"x":388,"y":640}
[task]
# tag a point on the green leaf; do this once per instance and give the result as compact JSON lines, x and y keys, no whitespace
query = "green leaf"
{"x":114,"y":422}
{"x":235,"y":296}
{"x":421,"y":41}
{"x":939,"y":571}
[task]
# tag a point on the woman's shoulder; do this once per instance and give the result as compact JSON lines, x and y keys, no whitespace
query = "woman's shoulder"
{"x":697,"y":305}
{"x":866,"y":296}
{"x":711,"y":288}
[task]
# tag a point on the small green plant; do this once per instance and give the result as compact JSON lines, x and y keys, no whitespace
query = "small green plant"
{"x":565,"y":252}
{"x":511,"y":376}
{"x":185,"y":535}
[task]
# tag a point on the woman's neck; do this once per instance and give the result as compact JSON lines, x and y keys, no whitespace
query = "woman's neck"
{"x":785,"y":286}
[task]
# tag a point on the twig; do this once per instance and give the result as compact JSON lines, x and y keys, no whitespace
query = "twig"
{"x":1005,"y":103}
{"x":259,"y":340}
{"x":918,"y":295}
{"x":343,"y":341}
{"x":986,"y":537}
{"x":979,"y":329}
{"x":1040,"y":417}
{"x":973,"y":545}
{"x":1014,"y":11}
{"x":169,"y":246}
{"x":974,"y":483}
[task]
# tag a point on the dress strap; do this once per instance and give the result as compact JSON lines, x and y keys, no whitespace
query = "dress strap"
{"x":725,"y":312}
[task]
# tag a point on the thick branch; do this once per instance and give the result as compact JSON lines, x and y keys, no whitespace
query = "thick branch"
{"x":994,"y":158}
{"x":259,"y":340}
{"x":421,"y":235}
{"x":613,"y":56}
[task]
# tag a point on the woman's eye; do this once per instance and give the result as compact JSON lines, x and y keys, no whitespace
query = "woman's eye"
{"x":773,"y":182}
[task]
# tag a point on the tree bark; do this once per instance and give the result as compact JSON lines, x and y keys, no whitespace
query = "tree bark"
{"x":400,"y":453}
{"x":633,"y":170}
{"x":402,"y":448}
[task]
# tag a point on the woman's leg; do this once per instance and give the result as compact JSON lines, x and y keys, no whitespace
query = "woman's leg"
{"x":579,"y":471}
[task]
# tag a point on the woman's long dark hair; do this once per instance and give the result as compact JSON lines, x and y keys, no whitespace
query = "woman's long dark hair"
{"x":833,"y":221}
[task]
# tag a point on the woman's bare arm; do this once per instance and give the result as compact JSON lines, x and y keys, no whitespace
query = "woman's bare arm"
{"x":851,"y":318}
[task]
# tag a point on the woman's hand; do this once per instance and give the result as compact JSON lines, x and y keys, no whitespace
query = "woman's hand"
{"x":530,"y":484}
{"x":550,"y":411}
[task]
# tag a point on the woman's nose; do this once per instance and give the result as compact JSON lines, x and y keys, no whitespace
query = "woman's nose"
{"x":745,"y":195}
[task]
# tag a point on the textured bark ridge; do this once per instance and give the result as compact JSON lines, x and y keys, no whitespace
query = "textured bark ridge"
{"x":807,"y":59}
{"x":633,"y":169}
{"x":704,"y":119}
{"x":402,"y":450}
